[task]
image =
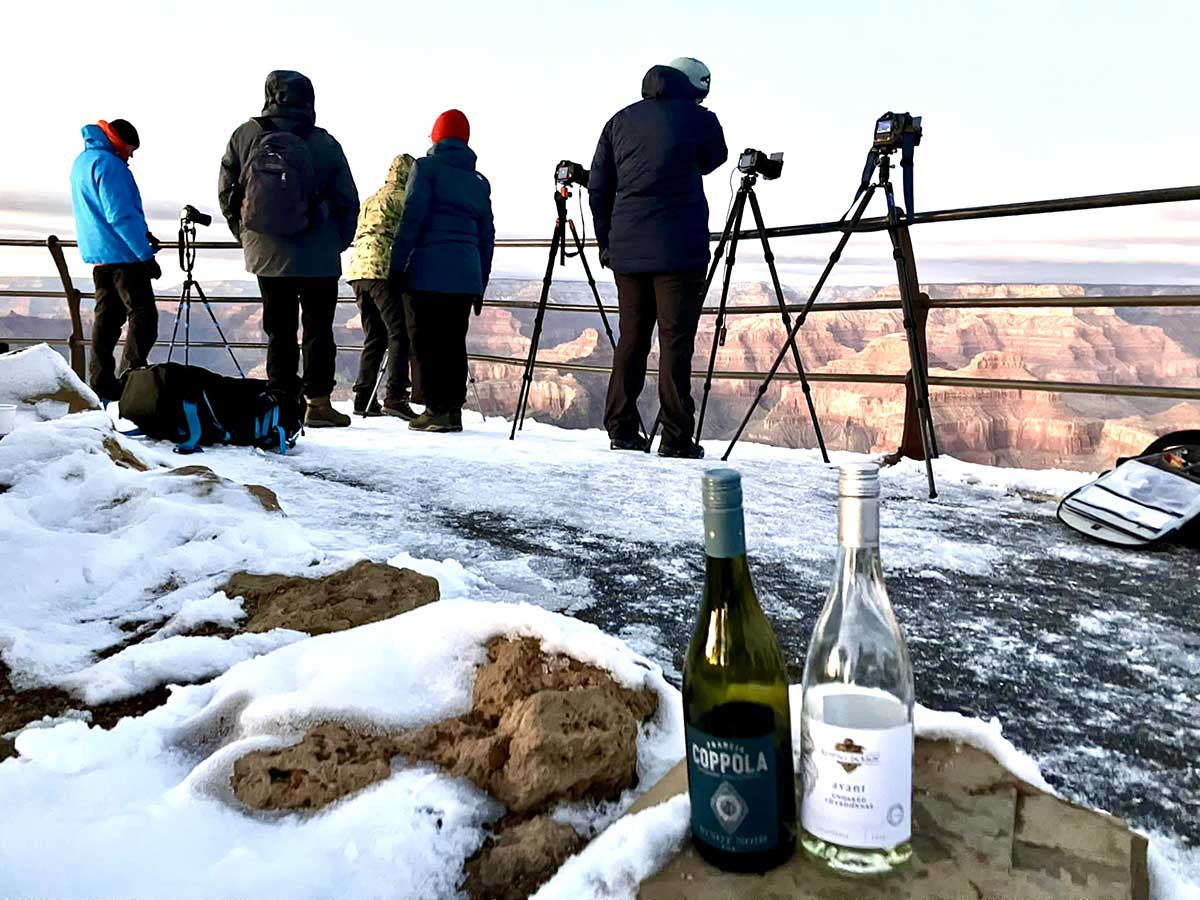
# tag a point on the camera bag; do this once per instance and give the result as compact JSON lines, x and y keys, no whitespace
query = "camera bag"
{"x":278,"y":182}
{"x":194,"y":407}
{"x":1146,"y":500}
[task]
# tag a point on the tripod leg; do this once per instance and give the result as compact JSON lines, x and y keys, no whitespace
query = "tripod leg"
{"x":556,"y":244}
{"x":587,"y":270}
{"x":733,"y":227}
{"x":185,"y":297}
{"x":213,"y":316}
{"x":798,"y":324}
{"x":906,"y":278}
{"x":187,"y":333}
{"x":787,"y":322}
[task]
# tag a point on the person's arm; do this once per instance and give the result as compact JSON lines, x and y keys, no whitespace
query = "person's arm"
{"x":417,"y":199}
{"x":393,"y":205}
{"x":342,"y":198}
{"x":229,"y":188}
{"x":712,"y":151}
{"x":122,"y":206}
{"x":487,"y":238}
{"x":602,"y":188}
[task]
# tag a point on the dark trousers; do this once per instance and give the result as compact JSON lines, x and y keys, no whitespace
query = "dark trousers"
{"x":287,"y":303}
{"x":381,"y":310}
{"x":672,"y":301}
{"x":124,"y":293}
{"x":437,"y":326}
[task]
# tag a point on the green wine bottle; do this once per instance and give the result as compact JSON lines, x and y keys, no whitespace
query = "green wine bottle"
{"x":735,"y":696}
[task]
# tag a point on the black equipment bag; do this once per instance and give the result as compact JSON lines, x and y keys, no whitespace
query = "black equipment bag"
{"x":195,"y":407}
{"x":1148,"y":499}
{"x":278,"y":183}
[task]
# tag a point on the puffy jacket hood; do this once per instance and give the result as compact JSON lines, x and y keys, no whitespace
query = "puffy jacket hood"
{"x":290,"y":95}
{"x":455,"y":153}
{"x":665,"y":83}
{"x":401,"y":167}
{"x":95,"y":139}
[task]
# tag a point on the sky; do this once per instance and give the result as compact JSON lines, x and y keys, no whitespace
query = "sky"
{"x":1021,"y":101}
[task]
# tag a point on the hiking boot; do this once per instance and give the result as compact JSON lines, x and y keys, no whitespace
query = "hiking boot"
{"x":439,"y":422}
{"x":681,"y":451}
{"x":637,"y":442}
{"x":321,"y":414}
{"x":400,"y":409}
{"x":368,"y":410}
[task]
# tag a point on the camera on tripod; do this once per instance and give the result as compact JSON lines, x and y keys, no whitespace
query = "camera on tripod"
{"x":567,"y":173}
{"x":755,"y":162}
{"x":890,"y":129}
{"x":192,"y":216}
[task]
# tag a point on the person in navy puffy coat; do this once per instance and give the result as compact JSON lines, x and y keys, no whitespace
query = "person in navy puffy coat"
{"x":442,"y":256}
{"x":651,"y":218}
{"x":111,"y":229}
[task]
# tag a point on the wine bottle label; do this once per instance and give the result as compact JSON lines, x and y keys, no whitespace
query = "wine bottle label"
{"x":732,"y":784}
{"x":857,"y":784}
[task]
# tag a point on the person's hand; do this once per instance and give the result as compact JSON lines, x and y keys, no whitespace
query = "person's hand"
{"x":604,"y":259}
{"x":478,"y":306}
{"x":155,"y":243}
{"x":153,"y":268}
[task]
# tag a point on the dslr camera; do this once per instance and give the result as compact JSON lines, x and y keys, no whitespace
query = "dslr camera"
{"x":890,"y":129}
{"x":567,"y":173}
{"x":193,"y":216}
{"x":755,"y":162}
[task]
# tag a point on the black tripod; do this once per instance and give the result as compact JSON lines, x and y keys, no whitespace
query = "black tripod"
{"x":729,"y":238}
{"x":558,"y":251}
{"x":906,"y":274}
{"x":187,"y":262}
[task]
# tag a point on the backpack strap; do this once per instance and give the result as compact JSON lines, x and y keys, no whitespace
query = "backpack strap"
{"x":191,"y":415}
{"x":213,"y":415}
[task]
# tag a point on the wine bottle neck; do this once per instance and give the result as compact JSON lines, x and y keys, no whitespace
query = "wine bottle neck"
{"x":724,"y":533}
{"x":858,"y":522}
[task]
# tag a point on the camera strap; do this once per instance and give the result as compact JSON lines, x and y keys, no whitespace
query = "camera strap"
{"x":908,"y":149}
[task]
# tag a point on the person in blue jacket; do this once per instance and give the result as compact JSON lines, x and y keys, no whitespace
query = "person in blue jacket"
{"x":442,"y":258}
{"x":113,"y":237}
{"x":647,"y":197}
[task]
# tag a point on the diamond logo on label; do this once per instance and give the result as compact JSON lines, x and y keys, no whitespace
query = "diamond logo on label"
{"x":729,"y":807}
{"x":849,"y":748}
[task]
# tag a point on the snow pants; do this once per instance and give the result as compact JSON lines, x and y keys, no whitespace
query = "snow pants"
{"x":437,"y":326}
{"x":124,"y":293}
{"x":385,"y":328}
{"x":287,"y":304}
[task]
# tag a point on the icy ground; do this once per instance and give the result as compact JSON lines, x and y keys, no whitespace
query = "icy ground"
{"x":1089,"y":656}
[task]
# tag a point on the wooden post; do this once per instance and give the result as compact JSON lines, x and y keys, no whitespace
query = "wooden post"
{"x":78,"y":343}
{"x":911,"y":445}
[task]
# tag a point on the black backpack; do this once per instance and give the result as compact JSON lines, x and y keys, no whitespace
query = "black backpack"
{"x":278,"y":182}
{"x":195,"y":407}
{"x":1148,"y":499}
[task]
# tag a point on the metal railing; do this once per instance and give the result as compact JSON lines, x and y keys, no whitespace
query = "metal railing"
{"x":77,"y":343}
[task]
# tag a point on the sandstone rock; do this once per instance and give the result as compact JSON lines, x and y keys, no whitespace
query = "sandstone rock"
{"x":331,"y":762}
{"x":521,"y":859}
{"x":208,"y":481}
{"x":366,"y":592}
{"x":574,"y":745}
{"x":978,"y":831}
{"x":122,"y":457}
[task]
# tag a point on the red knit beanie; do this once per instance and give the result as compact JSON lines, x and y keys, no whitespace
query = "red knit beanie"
{"x":451,"y":124}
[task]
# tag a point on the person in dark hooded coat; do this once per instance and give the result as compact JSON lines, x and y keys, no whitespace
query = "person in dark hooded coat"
{"x":651,"y":220}
{"x":297,"y":262}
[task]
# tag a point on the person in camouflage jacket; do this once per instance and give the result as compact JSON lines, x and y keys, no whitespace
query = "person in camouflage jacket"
{"x":380,"y":301}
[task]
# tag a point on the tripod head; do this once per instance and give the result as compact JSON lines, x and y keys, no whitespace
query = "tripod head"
{"x":189,"y":218}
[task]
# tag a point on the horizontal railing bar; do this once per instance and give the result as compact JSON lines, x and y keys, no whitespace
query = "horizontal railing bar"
{"x":878,"y":223}
{"x":1142,"y":301}
{"x":959,"y":381}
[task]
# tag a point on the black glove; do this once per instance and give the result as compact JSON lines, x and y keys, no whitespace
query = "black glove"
{"x":478,"y":306}
{"x":155,"y":243}
{"x":153,"y":268}
{"x":604,"y":259}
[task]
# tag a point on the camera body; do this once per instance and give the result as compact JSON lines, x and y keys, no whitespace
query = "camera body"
{"x":755,"y":162}
{"x":567,"y":173}
{"x":193,"y":216}
{"x":890,"y":129}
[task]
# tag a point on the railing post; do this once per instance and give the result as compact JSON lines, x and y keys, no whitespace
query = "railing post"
{"x":78,"y":344}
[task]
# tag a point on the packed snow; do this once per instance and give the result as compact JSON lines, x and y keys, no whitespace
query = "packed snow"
{"x":1090,"y":656}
